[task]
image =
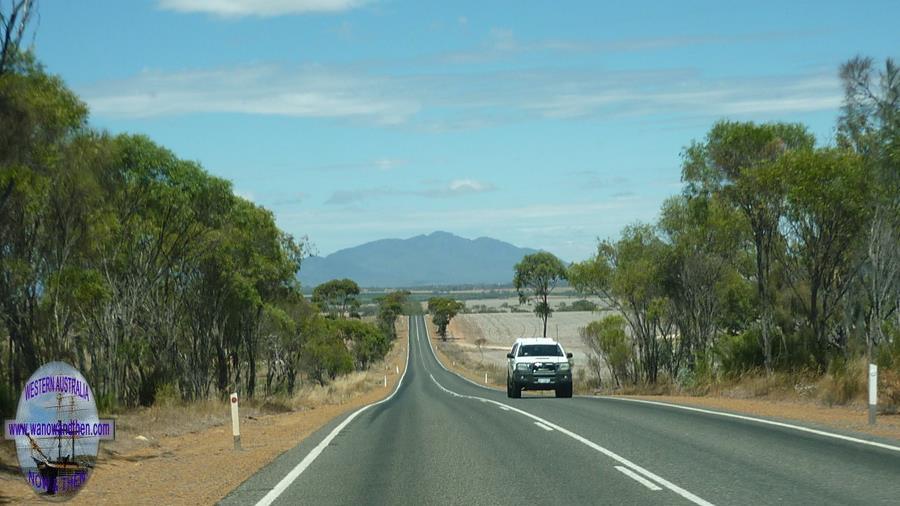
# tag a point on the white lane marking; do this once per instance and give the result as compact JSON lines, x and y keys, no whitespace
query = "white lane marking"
{"x":539,"y":424}
{"x":285,"y":482}
{"x":761,"y":420}
{"x":614,"y":456}
{"x":504,"y":408}
{"x":638,"y":478}
{"x":430,"y":345}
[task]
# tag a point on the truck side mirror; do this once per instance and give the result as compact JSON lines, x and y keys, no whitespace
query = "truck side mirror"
{"x":509,"y":355}
{"x":569,"y":355}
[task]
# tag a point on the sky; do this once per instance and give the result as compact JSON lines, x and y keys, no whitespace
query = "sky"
{"x":546,"y":124}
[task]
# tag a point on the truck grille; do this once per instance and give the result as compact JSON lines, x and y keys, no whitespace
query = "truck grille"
{"x":544,"y":368}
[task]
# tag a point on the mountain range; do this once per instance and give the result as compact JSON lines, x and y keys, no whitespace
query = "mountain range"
{"x":438,"y":258}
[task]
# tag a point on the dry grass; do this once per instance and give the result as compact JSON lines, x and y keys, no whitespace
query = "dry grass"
{"x":196,"y":441}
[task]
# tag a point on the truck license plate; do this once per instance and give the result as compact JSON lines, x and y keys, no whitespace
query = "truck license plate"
{"x":543,"y":380}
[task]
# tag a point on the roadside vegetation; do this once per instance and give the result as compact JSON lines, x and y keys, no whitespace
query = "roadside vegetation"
{"x":779,"y":260}
{"x":148,"y":274}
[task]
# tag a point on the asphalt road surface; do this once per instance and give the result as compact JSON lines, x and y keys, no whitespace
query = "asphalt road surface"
{"x":441,"y":439}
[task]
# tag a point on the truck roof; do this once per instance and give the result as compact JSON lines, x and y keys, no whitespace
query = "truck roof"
{"x":535,"y":340}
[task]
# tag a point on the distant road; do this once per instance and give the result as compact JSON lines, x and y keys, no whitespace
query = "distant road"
{"x":443,"y":440}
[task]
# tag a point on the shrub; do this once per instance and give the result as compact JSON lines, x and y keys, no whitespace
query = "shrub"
{"x":740,"y":353}
{"x":844,"y":382}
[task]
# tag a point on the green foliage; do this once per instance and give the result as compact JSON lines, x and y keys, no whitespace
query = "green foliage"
{"x":327,"y":357}
{"x":366,"y":341}
{"x":390,"y":306}
{"x":337,"y":297}
{"x":740,"y":353}
{"x":608,"y":342}
{"x":536,"y":276}
{"x":442,"y":311}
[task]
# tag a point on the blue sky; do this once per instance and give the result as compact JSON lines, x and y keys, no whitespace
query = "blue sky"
{"x":545,"y":124}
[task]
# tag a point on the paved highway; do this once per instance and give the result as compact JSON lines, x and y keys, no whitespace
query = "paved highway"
{"x":443,"y":440}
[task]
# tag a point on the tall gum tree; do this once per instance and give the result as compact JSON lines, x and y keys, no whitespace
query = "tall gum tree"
{"x":536,"y":276}
{"x":732,"y":161}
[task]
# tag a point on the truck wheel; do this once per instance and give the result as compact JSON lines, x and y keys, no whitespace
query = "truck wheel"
{"x":508,"y":387}
{"x":516,"y":390}
{"x":564,"y":391}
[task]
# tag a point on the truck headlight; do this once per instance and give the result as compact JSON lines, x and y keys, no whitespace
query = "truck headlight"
{"x":523,"y":367}
{"x":564,"y":366}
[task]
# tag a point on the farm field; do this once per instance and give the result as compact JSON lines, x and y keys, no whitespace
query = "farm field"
{"x":501,"y":329}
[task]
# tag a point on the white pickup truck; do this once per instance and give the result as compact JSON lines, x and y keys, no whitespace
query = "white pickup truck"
{"x":538,"y":364}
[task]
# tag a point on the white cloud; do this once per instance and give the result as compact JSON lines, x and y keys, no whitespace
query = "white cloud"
{"x":433,"y":189}
{"x":444,"y":101}
{"x":468,"y":185}
{"x":308,"y":91}
{"x":260,"y":8}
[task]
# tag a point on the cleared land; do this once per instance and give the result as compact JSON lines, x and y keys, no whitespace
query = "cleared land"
{"x":748,"y":397}
{"x":502,"y":329}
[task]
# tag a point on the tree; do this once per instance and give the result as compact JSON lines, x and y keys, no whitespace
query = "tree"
{"x":366,"y":341}
{"x":708,"y":239}
{"x":442,"y":311}
{"x":337,"y":297}
{"x":479,"y":343}
{"x":732,"y":161}
{"x":827,"y":204}
{"x":629,"y":273}
{"x":14,"y":20}
{"x":870,"y":125}
{"x":608,"y":344}
{"x":536,"y":276}
{"x":327,"y":357}
{"x":390,"y":306}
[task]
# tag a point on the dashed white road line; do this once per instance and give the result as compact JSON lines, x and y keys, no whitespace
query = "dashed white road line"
{"x":609,"y":453}
{"x":638,"y":478}
{"x":539,"y":424}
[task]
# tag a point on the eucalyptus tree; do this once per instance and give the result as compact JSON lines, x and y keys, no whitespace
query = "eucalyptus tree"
{"x":870,"y":125}
{"x":630,"y":273}
{"x":536,"y":275}
{"x":443,"y":310}
{"x":708,"y":245}
{"x":732,"y":161}
{"x":827,"y":209}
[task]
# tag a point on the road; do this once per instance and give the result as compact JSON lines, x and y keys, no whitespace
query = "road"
{"x":441,"y":439}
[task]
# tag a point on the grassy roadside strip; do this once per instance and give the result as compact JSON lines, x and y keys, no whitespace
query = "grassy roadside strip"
{"x":449,"y":354}
{"x":845,"y":418}
{"x":197,"y":465}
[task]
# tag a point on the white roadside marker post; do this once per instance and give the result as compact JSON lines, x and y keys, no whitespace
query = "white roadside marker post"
{"x":396,"y":369}
{"x":385,"y":381}
{"x":235,"y":422}
{"x":873,"y":392}
{"x":485,"y":378}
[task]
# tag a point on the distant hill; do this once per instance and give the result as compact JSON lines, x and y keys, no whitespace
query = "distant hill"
{"x":439,"y":258}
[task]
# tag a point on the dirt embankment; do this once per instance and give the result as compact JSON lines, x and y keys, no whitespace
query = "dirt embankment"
{"x":457,"y":354}
{"x":186,"y":455}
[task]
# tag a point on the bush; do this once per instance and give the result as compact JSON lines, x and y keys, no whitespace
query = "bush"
{"x":845,"y":381}
{"x":740,"y":353}
{"x":167,"y":394}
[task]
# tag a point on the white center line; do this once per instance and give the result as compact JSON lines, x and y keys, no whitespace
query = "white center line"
{"x":562,"y":430}
{"x":638,"y":478}
{"x":539,"y":424}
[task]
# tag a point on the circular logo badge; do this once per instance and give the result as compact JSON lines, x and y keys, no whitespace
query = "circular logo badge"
{"x":57,"y":431}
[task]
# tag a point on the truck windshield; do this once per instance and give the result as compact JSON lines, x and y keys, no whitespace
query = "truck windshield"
{"x":540,"y":350}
